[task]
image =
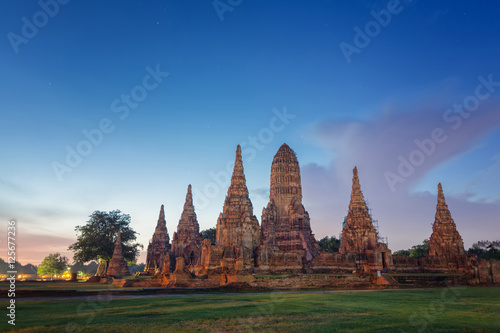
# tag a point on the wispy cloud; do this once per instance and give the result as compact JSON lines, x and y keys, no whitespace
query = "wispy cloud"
{"x":378,"y":143}
{"x":375,"y":146}
{"x":262,"y":193}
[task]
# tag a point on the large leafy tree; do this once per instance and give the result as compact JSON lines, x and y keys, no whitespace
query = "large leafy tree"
{"x":329,"y":244}
{"x":53,"y":264}
{"x":419,"y":251}
{"x":416,"y":251}
{"x":96,"y":240}
{"x":401,"y":252}
{"x":209,"y":234}
{"x":486,"y":250}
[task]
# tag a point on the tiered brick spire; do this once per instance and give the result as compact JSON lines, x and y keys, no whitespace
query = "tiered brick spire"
{"x":285,"y":178}
{"x":159,"y":246}
{"x":285,"y":222}
{"x":186,"y":242}
{"x":188,"y":215}
{"x":358,"y":234}
{"x":445,"y":240}
{"x":357,"y":199}
{"x":236,"y":225}
{"x":118,"y":265}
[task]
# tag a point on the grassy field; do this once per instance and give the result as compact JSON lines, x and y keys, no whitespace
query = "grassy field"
{"x":465,"y":309}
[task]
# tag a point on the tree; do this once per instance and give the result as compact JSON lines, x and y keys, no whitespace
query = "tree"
{"x":419,"y":251}
{"x":329,"y":244}
{"x":416,"y":251}
{"x":53,"y":264}
{"x":96,"y":240}
{"x":401,"y":253}
{"x":84,"y":269}
{"x":209,"y":234}
{"x":134,"y":268}
{"x":486,"y":250}
{"x":26,"y":269}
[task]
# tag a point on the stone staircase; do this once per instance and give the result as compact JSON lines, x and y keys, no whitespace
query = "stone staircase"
{"x":384,"y":280}
{"x":390,"y":279}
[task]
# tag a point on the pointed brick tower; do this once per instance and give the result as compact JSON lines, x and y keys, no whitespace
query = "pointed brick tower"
{"x":186,"y":242}
{"x":159,"y":246}
{"x":285,"y":222}
{"x":118,"y":265}
{"x":445,"y":240}
{"x":237,"y":227}
{"x":358,"y":234}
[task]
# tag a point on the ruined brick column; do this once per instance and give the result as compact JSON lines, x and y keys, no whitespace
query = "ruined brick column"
{"x":118,"y":265}
{"x":358,"y":234}
{"x":186,"y":242}
{"x":285,"y":222}
{"x":158,"y":247}
{"x":445,"y":240}
{"x":237,"y":227}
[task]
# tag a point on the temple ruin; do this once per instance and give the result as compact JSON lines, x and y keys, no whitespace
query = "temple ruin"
{"x":186,"y":242}
{"x":118,"y":265}
{"x":159,"y":246}
{"x":359,"y":236}
{"x":237,"y":227}
{"x":284,"y":243}
{"x":285,"y":222}
{"x":445,"y":240}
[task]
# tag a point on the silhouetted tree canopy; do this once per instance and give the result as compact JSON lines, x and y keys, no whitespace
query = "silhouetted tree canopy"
{"x":416,"y":251}
{"x":329,"y":244}
{"x":209,"y":234}
{"x":96,"y":240}
{"x":87,"y":269}
{"x":27,"y":269}
{"x":134,"y":268}
{"x":486,"y":250}
{"x":401,"y":252}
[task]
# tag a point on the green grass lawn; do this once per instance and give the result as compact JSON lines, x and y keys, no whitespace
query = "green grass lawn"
{"x":464,"y":309}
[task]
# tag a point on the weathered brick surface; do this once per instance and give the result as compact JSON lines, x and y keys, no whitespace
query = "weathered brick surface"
{"x":237,"y":227}
{"x":158,"y":247}
{"x":186,"y":242}
{"x":445,"y":240}
{"x":285,"y":222}
{"x":358,"y":234}
{"x":446,"y":248}
{"x":118,"y":265}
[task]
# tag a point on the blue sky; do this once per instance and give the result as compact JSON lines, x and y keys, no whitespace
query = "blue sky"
{"x":264,"y":74}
